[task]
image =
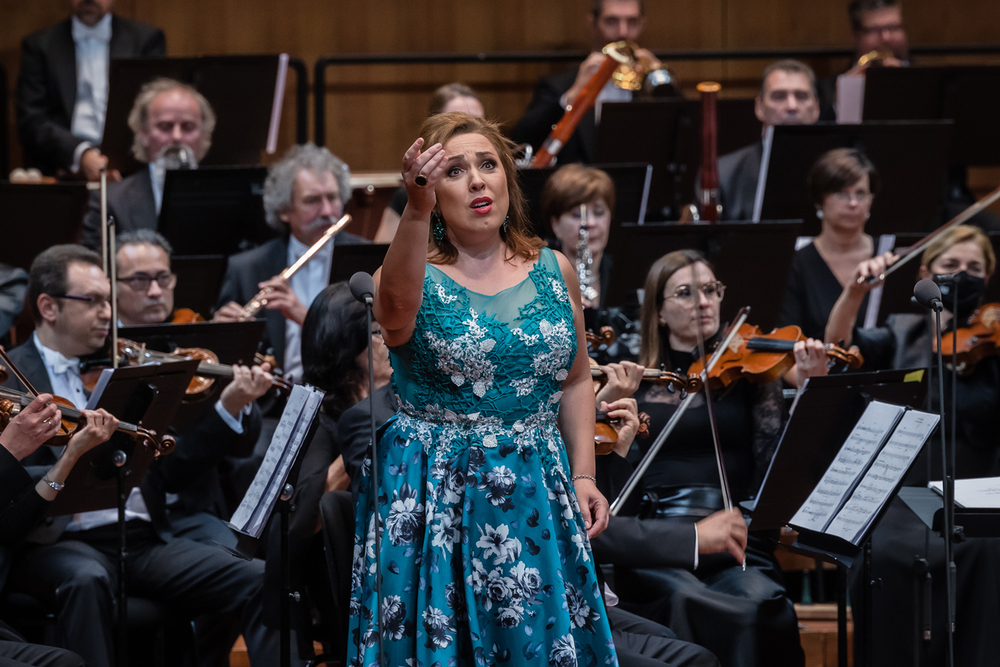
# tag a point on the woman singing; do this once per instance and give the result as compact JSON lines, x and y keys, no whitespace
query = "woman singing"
{"x":485,"y":556}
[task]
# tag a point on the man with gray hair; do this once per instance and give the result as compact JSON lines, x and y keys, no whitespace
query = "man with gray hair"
{"x":172,"y":123}
{"x":304,"y":194}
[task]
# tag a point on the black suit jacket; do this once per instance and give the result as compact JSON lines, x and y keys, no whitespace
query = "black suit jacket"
{"x":198,"y":449}
{"x":544,"y":111}
{"x":130,"y":201}
{"x":46,"y":86}
{"x":246,"y":270}
{"x":13,"y":287}
{"x":738,"y":173}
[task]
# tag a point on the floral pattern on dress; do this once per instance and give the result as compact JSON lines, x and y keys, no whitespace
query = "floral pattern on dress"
{"x":485,"y":558}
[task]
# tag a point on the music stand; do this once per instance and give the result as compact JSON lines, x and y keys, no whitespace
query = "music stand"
{"x":245,"y":92}
{"x":37,"y":216}
{"x":214,"y":211}
{"x":350,"y":258}
{"x":738,"y":249}
{"x":961,"y":94}
{"x":233,"y":342}
{"x":911,"y":158}
{"x":199,"y":278}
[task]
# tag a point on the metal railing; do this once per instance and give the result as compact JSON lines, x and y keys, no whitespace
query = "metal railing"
{"x":324,"y":62}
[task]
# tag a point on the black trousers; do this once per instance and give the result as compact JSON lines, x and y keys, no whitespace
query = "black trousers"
{"x":23,"y":654}
{"x":77,"y":576}
{"x":640,"y":642}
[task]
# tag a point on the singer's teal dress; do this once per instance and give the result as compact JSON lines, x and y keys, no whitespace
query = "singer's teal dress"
{"x":484,"y":555}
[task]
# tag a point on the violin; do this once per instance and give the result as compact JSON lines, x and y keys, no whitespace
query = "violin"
{"x":209,"y":368}
{"x":605,"y":428}
{"x":186,"y":316}
{"x":979,"y":339}
{"x":606,"y":433}
{"x":761,"y":357}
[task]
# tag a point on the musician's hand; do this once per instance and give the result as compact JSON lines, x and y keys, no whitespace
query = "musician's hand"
{"x":337,"y":478}
{"x":99,"y":427}
{"x":90,"y":166}
{"x":281,"y":297}
{"x":810,"y":360}
{"x":623,"y":379}
{"x":32,"y":427}
{"x":646,"y":62}
{"x":588,"y":68}
{"x":874,"y":268}
{"x":723,"y":531}
{"x":593,"y":506}
{"x":627,"y":410}
{"x":231,"y":312}
{"x":248,"y":385}
{"x":431,"y":165}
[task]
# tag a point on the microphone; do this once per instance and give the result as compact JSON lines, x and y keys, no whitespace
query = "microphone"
{"x":927,"y":293}
{"x":363,"y":287}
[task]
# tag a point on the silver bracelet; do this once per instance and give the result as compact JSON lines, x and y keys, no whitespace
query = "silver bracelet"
{"x":590,"y":477}
{"x":55,"y":485}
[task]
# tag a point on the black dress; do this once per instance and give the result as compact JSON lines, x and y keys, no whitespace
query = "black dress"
{"x":810,"y":292}
{"x":744,"y":618}
{"x":905,"y":342}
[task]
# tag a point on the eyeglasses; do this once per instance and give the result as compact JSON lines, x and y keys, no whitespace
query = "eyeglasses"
{"x":713,"y":291}
{"x":846,"y":197}
{"x":140,"y":282}
{"x":879,"y":29}
{"x":94,"y":301}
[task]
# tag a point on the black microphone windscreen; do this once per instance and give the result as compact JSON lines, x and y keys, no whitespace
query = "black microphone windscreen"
{"x":927,"y":293}
{"x":363,"y":287}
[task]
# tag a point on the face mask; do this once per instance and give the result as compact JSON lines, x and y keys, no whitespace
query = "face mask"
{"x":970,"y":293}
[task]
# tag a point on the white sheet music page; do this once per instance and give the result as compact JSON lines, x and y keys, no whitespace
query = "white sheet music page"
{"x":975,"y":493}
{"x":300,"y":410}
{"x":886,"y":472}
{"x":854,"y":456}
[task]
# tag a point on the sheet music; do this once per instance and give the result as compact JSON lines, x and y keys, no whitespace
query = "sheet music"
{"x":297,"y":417}
{"x":980,"y":492}
{"x":885,"y":473}
{"x":852,"y":459}
{"x":765,"y":160}
{"x":850,"y":98}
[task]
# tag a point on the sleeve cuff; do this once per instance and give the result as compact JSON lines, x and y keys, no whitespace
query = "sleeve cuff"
{"x":695,"y":547}
{"x":78,"y":155}
{"x":235,"y":423}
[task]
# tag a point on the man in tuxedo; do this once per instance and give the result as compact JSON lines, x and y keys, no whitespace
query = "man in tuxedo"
{"x":62,"y":90}
{"x":172,"y":125}
{"x":609,"y":21}
{"x":304,"y":195}
{"x":787,"y":97}
{"x":72,"y":563}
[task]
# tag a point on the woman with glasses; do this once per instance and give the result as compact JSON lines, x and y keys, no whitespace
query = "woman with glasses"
{"x":842,"y":184}
{"x":743,"y":617}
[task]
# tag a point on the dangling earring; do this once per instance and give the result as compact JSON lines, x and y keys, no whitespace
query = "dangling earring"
{"x":868,"y":215}
{"x":506,"y":220}
{"x":819,"y":213}
{"x":437,"y":227}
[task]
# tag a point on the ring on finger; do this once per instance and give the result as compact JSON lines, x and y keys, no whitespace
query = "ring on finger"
{"x":420,"y":180}
{"x":48,"y":422}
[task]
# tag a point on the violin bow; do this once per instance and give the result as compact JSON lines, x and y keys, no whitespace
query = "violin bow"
{"x":18,"y":374}
{"x":654,"y":449}
{"x":964,"y":216}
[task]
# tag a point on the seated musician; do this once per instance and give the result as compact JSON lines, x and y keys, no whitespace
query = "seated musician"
{"x":172,"y":123}
{"x":609,"y":21}
{"x":23,"y":503}
{"x":905,"y":341}
{"x":842,"y":184}
{"x":304,"y":195}
{"x":449,"y":97}
{"x":743,"y":617}
{"x":876,"y":27}
{"x":71,"y":560}
{"x":564,"y":192}
{"x":787,"y":97}
{"x":62,"y":88}
{"x":13,"y":288}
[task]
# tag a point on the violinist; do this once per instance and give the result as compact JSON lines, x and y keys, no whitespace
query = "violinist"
{"x":304,"y":194}
{"x":842,"y":184}
{"x":743,"y":617}
{"x":71,"y":559}
{"x":145,"y":281}
{"x":905,"y":341}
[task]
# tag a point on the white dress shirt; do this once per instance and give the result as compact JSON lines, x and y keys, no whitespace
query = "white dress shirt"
{"x":307,"y":283}
{"x":64,"y":376}
{"x":93,"y":48}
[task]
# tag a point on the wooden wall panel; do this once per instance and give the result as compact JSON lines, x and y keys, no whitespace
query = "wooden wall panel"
{"x":373,"y":112}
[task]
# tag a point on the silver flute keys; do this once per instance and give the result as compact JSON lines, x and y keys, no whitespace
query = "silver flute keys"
{"x":584,"y":259}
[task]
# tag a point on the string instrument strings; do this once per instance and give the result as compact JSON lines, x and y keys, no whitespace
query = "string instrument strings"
{"x":260,"y":300}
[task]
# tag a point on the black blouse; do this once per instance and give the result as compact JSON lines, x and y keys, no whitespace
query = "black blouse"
{"x":810,"y":292}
